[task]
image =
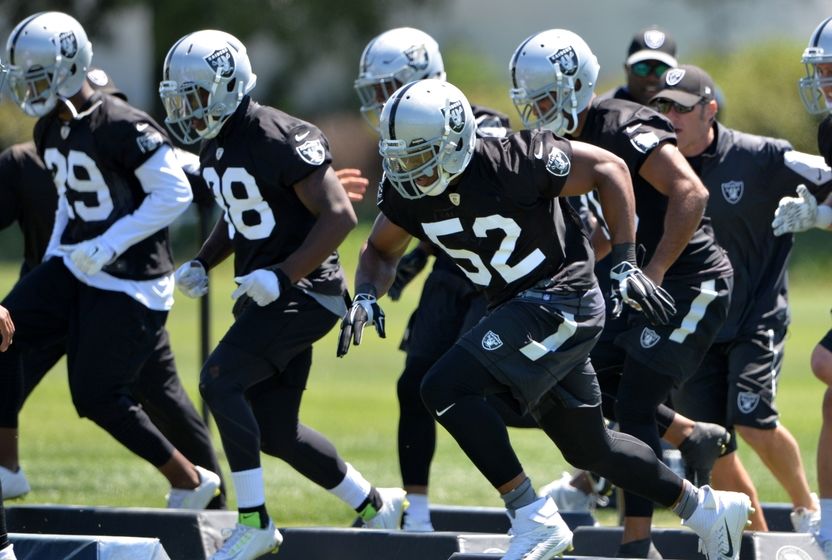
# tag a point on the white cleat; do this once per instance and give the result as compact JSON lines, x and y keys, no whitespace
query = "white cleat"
{"x":249,"y":543}
{"x":8,"y":553}
{"x":719,"y":520}
{"x":567,"y":497}
{"x":394,"y":503}
{"x":538,"y":532}
{"x":14,"y":483}
{"x":199,"y":497}
{"x":805,"y":520}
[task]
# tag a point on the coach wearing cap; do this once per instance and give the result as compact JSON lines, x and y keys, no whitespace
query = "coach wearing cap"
{"x":746,"y":175}
{"x":652,"y":52}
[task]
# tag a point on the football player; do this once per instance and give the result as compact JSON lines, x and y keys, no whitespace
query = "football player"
{"x":28,"y":197}
{"x":497,"y":207}
{"x":284,"y":214}
{"x":450,"y":303}
{"x":553,"y":76}
{"x":804,"y":212}
{"x":746,"y":176}
{"x":105,"y":285}
{"x":651,"y":53}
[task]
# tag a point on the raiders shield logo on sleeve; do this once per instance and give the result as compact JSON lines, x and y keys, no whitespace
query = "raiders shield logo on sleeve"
{"x":150,"y":140}
{"x":567,"y":59}
{"x":645,"y":141}
{"x":558,"y":163}
{"x":491,"y":341}
{"x":312,"y":152}
{"x":222,"y":62}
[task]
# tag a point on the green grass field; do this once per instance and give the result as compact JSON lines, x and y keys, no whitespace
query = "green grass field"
{"x":353,"y":401}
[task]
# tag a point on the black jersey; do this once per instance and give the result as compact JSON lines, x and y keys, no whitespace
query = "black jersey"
{"x":502,"y":221}
{"x":825,"y":139}
{"x":632,"y":131}
{"x":621,"y":92}
{"x":28,"y":197}
{"x":251,"y":167}
{"x":93,"y":160}
{"x":747,"y":175}
{"x":490,"y":124}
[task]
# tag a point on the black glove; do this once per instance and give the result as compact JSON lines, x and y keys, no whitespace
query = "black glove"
{"x":631,"y":286}
{"x":365,"y":309}
{"x":409,"y":266}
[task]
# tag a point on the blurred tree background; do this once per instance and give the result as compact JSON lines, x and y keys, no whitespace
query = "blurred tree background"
{"x":314,"y":43}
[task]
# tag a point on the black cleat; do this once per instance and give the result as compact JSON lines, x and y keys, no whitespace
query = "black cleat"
{"x":700,"y":450}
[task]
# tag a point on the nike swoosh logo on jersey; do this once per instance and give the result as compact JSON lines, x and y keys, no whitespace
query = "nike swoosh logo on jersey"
{"x":539,"y":153}
{"x":141,"y":126}
{"x":300,"y":137}
{"x":632,"y":128}
{"x":446,"y":409}
{"x":730,"y":552}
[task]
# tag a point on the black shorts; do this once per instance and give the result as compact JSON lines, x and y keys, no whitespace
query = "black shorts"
{"x":737,"y":382}
{"x":448,"y":307}
{"x":536,"y":346}
{"x":677,"y":349}
{"x":826,"y":341}
{"x":280,"y":331}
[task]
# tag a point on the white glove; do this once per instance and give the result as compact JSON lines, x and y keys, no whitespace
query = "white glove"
{"x":800,"y":213}
{"x":192,"y":279}
{"x":261,"y":285}
{"x":92,"y":255}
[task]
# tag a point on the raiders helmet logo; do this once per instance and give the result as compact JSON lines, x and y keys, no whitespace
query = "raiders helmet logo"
{"x":558,"y":163}
{"x":456,"y":118}
{"x":649,"y":338}
{"x":747,"y":402}
{"x":653,"y":38}
{"x":221,"y":62}
{"x":491,"y":341}
{"x":417,"y":57}
{"x":68,"y":44}
{"x":567,"y":59}
{"x":645,"y":141}
{"x":312,"y":152}
{"x":674,"y":76}
{"x":732,"y":191}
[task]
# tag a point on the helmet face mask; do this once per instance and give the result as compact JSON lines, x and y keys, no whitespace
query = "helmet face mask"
{"x":207,"y":74}
{"x":48,"y":55}
{"x":816,"y":86}
{"x":553,"y":76}
{"x":391,"y":60}
{"x":428,"y":134}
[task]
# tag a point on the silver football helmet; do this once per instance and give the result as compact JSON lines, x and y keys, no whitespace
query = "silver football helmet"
{"x":816,"y":86}
{"x":48,"y":55}
{"x":427,"y":137}
{"x":553,"y":75}
{"x":206,"y":75}
{"x":391,"y":60}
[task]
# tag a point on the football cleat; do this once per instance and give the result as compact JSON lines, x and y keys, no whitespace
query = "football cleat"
{"x":249,"y":543}
{"x":394,"y":503}
{"x":199,"y":497}
{"x":14,"y":483}
{"x":538,"y":532}
{"x":719,"y":520}
{"x":805,"y":520}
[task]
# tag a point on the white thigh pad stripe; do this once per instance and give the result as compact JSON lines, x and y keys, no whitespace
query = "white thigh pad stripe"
{"x":535,"y":350}
{"x":707,"y":294}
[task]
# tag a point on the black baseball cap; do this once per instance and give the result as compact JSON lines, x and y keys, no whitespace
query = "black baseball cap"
{"x":686,"y":85}
{"x":101,"y":81}
{"x":652,"y":43}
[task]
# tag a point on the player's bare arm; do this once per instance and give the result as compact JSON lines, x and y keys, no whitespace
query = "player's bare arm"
{"x":217,"y":247}
{"x":6,"y":329}
{"x":380,"y":254}
{"x":322,"y":194}
{"x":596,"y":168}
{"x":669,"y":173}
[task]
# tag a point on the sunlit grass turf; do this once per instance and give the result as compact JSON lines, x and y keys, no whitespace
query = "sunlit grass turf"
{"x":353,"y":401}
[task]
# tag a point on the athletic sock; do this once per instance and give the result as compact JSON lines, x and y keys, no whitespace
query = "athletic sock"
{"x":521,"y":496}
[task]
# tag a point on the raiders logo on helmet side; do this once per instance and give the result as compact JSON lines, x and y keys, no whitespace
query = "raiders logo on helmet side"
{"x":456,"y":120}
{"x":68,"y":44}
{"x":417,"y":57}
{"x":221,"y":61}
{"x":567,"y":59}
{"x":732,"y":191}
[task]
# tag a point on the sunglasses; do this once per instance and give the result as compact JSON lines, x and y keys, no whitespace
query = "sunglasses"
{"x":644,"y":68}
{"x":664,"y":106}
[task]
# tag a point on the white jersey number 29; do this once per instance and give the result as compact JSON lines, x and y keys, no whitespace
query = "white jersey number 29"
{"x":66,"y":171}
